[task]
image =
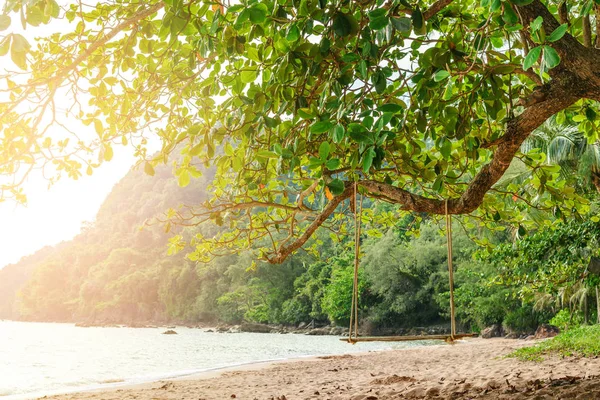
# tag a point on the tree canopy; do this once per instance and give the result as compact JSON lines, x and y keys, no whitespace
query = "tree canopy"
{"x":423,"y":104}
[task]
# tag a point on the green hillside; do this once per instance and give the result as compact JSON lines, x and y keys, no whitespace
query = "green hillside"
{"x":115,"y":272}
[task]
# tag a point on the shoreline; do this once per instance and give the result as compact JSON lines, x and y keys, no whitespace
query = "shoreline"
{"x":196,"y":375}
{"x":473,"y":368}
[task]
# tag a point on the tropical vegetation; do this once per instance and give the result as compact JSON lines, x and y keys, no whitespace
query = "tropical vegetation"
{"x":286,"y":122}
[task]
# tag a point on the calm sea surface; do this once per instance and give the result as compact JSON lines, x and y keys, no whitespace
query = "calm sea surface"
{"x":38,"y":358}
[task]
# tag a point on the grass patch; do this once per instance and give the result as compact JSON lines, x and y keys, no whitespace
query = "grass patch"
{"x":583,"y":341}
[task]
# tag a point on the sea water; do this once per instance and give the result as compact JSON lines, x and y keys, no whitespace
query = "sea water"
{"x":38,"y":359}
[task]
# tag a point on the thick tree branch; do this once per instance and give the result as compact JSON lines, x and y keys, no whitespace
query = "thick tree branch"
{"x":284,"y":251}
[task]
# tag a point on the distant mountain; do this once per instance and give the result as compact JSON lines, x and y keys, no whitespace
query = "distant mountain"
{"x":112,"y":270}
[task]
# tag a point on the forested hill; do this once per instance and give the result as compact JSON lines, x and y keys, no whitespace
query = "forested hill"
{"x":112,"y":270}
{"x":115,"y":272}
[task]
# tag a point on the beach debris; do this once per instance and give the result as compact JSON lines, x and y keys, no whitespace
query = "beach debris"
{"x":169,"y":332}
{"x":233,"y":396}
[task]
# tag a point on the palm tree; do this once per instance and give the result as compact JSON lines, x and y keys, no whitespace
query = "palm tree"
{"x":566,"y":146}
{"x":579,"y":161}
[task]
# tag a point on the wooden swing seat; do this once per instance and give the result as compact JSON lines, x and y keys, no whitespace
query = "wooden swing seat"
{"x":353,"y":331}
{"x":446,"y":337}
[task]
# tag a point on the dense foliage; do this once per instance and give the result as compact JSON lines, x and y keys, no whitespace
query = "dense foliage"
{"x":423,"y":104}
{"x":299,"y":108}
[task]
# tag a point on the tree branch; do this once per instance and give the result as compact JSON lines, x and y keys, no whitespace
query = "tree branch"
{"x":435,"y":8}
{"x":284,"y":251}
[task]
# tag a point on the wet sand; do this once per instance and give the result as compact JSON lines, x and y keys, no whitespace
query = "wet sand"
{"x":473,"y":368}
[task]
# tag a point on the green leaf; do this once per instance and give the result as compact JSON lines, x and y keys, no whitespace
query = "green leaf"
{"x":551,"y":57}
{"x":419,"y":25}
{"x":441,"y":75}
{"x":267,"y":154}
{"x":336,"y":186}
{"x":362,"y":68}
{"x":379,"y":23}
{"x":321,"y":127}
{"x":558,"y":33}
{"x":4,"y":22}
{"x":390,"y":108}
{"x":438,"y":184}
{"x":379,"y":80}
{"x":536,"y":24}
{"x":360,"y":137}
{"x":19,"y":43}
{"x":258,"y":13}
{"x":338,"y":133}
{"x":148,"y":169}
{"x":343,"y":24}
{"x":368,"y":158}
{"x":333,"y":164}
{"x":184,"y":178}
{"x":532,"y":57}
{"x":403,"y":24}
{"x":495,"y":6}
{"x":248,"y":76}
{"x":4,"y":46}
{"x":108,"y":152}
{"x":98,"y":127}
{"x":324,"y":149}
{"x":446,"y":148}
{"x":509,"y":16}
{"x":521,"y":2}
{"x":293,"y":34}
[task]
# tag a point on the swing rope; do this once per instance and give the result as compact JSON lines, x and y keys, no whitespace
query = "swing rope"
{"x":450,"y":272}
{"x":353,"y":329}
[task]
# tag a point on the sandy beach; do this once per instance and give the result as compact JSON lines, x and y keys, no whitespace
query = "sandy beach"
{"x":473,"y":368}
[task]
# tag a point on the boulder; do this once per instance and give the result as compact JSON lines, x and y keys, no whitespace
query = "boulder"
{"x":512,"y":335}
{"x":169,"y":332}
{"x":492,"y":331}
{"x":546,"y":331}
{"x":255,"y":328}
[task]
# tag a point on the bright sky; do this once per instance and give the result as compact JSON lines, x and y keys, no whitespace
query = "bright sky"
{"x":55,"y":214}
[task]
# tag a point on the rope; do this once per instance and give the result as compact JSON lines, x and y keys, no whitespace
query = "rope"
{"x":450,"y":272}
{"x":353,"y":330}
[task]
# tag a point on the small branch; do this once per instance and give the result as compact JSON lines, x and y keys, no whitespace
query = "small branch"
{"x":587,"y":31}
{"x":435,"y":8}
{"x":284,"y":251}
{"x":563,"y":13}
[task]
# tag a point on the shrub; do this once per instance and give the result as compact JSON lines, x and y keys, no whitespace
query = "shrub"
{"x":565,"y":319}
